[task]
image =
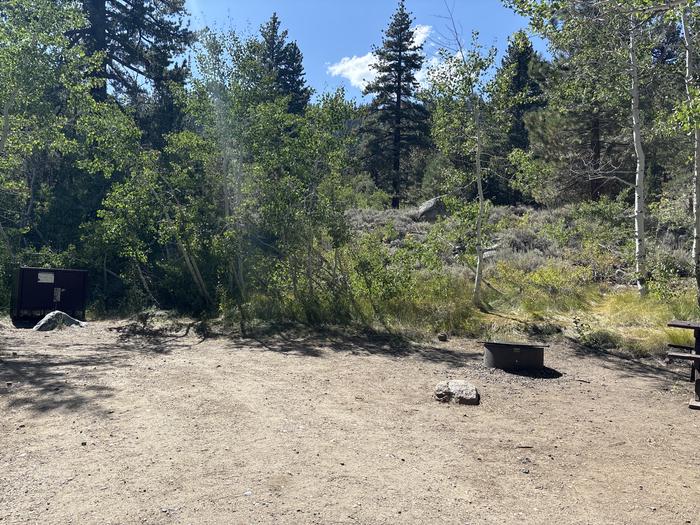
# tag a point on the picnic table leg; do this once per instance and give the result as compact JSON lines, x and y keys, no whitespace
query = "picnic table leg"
{"x":695,"y":402}
{"x":695,"y":374}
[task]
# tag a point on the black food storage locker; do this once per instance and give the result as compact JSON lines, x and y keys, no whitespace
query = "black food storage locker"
{"x":38,"y":291}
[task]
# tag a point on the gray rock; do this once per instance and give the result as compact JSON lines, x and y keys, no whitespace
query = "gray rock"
{"x":56,"y":319}
{"x":431,"y":210}
{"x":463,"y":392}
{"x":442,"y":392}
{"x":457,"y":391}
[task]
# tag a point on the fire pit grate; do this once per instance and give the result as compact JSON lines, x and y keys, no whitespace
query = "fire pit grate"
{"x":513,"y":356}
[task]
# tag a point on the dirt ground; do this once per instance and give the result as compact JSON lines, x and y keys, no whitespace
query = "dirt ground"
{"x":97,"y":427}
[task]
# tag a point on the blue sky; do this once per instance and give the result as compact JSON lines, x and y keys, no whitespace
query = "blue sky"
{"x":336,"y":36}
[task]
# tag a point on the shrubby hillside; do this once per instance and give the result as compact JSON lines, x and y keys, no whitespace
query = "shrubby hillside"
{"x":565,"y":272}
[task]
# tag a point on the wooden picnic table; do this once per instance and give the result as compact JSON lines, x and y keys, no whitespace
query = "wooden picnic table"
{"x":692,"y":354}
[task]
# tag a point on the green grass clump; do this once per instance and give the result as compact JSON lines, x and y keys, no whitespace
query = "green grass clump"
{"x":602,"y":339}
{"x":554,"y":287}
{"x":627,"y":308}
{"x":638,"y":325}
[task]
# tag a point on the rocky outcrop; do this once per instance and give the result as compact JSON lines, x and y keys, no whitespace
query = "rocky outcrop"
{"x":431,"y":210}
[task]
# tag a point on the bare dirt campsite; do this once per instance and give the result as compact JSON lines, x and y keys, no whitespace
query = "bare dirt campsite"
{"x":107,"y":426}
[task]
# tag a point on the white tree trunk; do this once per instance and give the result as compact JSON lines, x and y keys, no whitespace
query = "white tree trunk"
{"x":480,"y":216}
{"x":190,"y":262}
{"x":639,"y":197}
{"x":5,"y":124}
{"x":193,"y":268}
{"x":689,"y":88}
{"x":145,"y":283}
{"x":6,"y":239}
{"x":3,"y":141}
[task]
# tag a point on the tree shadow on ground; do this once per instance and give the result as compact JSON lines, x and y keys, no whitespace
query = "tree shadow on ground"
{"x":315,"y":343}
{"x":628,"y":366}
{"x":155,"y":337}
{"x":43,"y":381}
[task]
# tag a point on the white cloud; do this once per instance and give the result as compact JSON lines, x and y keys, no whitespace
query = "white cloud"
{"x":421,"y":33}
{"x":358,"y":69}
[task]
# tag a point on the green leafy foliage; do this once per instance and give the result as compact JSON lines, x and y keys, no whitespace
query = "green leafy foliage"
{"x":238,"y":192}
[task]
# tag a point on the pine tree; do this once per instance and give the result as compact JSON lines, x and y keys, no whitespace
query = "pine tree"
{"x":140,"y":40}
{"x":397,"y":121}
{"x":282,"y":66}
{"x":522,"y":93}
{"x":516,"y":92}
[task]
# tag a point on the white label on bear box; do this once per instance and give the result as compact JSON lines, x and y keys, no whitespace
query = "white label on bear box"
{"x":45,"y":277}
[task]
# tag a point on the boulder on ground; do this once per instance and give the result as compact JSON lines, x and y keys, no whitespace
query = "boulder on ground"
{"x":431,"y":210}
{"x":56,"y":319}
{"x":457,"y":391}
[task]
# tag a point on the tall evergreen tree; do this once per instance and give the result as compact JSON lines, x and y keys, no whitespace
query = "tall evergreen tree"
{"x":140,"y":41}
{"x":397,"y":120}
{"x":282,"y":64}
{"x":518,"y":91}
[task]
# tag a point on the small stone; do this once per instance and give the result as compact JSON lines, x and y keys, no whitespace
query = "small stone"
{"x":248,"y":493}
{"x":526,"y":471}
